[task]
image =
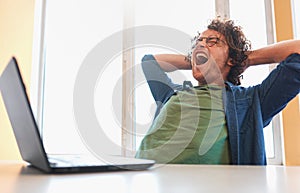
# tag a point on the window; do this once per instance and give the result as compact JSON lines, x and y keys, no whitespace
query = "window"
{"x":92,"y":30}
{"x":296,"y":17}
{"x":68,"y":42}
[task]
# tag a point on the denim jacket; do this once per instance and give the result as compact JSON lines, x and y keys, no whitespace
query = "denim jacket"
{"x":247,"y":110}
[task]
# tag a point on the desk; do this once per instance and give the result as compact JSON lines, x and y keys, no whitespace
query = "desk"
{"x":16,"y":177}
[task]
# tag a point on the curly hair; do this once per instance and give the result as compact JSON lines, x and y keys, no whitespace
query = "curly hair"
{"x":237,"y":43}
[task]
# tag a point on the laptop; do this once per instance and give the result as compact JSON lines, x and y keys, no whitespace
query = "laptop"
{"x":30,"y":142}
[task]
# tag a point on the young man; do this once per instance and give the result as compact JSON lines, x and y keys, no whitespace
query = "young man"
{"x":218,"y":121}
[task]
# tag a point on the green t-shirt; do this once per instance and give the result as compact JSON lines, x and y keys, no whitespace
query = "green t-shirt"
{"x":190,"y":129}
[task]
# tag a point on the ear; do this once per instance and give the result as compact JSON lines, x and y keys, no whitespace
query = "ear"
{"x":230,"y":62}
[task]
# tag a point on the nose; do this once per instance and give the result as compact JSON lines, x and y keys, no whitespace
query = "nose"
{"x":201,"y":44}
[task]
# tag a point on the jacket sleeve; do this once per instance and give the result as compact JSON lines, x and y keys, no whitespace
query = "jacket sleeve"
{"x":161,"y":86}
{"x":281,"y":86}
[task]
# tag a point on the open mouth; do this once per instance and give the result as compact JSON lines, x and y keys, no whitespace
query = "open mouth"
{"x":201,"y":58}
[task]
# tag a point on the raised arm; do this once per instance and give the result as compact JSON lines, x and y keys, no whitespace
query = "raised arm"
{"x":273,"y":53}
{"x":172,"y":62}
{"x":270,"y":54}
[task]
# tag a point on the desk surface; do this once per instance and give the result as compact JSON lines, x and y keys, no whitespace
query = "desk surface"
{"x":16,"y":177}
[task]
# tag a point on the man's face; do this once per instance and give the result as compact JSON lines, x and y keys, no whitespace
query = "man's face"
{"x":210,"y":58}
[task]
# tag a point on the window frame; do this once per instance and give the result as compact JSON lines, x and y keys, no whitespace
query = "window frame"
{"x":37,"y":69}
